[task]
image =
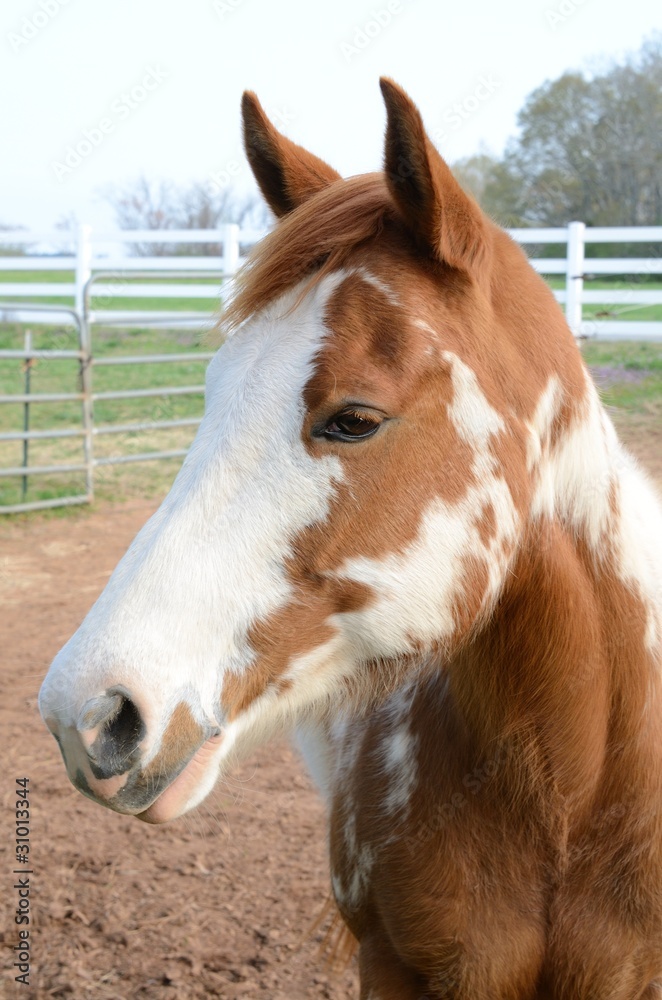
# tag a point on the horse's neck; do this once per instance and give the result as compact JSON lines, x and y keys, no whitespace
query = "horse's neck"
{"x":592,"y":489}
{"x":567,"y":667}
{"x":584,"y":480}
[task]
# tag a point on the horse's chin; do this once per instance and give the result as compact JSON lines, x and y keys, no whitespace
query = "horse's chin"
{"x":189,"y":788}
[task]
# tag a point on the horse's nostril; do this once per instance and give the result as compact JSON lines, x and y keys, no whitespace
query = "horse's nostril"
{"x":111,"y":729}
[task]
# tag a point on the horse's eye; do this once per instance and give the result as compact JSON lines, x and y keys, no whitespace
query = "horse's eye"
{"x":350,"y":425}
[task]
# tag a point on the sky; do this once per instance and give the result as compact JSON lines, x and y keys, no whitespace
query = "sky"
{"x":94,"y":93}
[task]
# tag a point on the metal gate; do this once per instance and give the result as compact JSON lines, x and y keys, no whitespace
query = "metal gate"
{"x":172,"y":319}
{"x":90,"y":428}
{"x":29,"y":354}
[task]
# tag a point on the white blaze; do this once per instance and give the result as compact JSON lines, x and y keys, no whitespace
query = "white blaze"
{"x":174,"y":617}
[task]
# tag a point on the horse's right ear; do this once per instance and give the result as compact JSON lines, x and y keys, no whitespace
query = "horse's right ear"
{"x":287,"y":174}
{"x":442,"y":217}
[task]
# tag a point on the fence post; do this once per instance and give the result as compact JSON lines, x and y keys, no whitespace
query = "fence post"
{"x":27,"y":347}
{"x":574,"y":279}
{"x":85,"y":344}
{"x":83,"y":263}
{"x":230,"y":249}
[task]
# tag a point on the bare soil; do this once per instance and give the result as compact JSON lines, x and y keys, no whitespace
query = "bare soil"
{"x":220,"y":903}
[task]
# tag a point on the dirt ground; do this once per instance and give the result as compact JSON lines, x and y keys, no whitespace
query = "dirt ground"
{"x":218,"y":904}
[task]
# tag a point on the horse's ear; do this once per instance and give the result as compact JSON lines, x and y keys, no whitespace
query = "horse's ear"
{"x":442,"y":217}
{"x":287,"y":174}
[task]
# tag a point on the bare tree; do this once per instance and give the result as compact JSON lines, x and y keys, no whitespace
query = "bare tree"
{"x":163,"y":205}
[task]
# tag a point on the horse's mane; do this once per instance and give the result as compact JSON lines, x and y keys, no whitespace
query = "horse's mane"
{"x":315,"y":238}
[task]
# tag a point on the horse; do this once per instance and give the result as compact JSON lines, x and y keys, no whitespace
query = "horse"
{"x":407,"y":532}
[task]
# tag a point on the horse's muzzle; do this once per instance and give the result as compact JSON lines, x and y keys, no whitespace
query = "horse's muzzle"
{"x":104,"y":753}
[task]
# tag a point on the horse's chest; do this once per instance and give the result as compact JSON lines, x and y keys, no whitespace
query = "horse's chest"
{"x":411,"y":849}
{"x":431,"y":856}
{"x":449,"y":891}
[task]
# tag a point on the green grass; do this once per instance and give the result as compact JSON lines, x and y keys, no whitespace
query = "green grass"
{"x":629,"y":375}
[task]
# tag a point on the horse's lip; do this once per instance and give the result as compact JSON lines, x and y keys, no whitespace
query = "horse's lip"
{"x":171,"y":802}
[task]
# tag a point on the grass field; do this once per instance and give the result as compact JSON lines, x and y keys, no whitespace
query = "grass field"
{"x":629,"y":375}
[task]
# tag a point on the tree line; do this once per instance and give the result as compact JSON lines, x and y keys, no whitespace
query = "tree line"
{"x":589,"y":147}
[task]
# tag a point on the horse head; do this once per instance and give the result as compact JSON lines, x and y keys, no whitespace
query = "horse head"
{"x":357,"y":489}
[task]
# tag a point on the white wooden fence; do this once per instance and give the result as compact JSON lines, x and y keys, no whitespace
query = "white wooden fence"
{"x":103,"y":273}
{"x":578,"y":269}
{"x":100,"y":264}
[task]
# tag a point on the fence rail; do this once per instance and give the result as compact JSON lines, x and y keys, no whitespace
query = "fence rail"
{"x":100,"y":278}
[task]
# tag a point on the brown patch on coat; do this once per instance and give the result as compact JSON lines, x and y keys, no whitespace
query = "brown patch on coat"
{"x":486,"y":523}
{"x":299,"y":627}
{"x":417,"y":455}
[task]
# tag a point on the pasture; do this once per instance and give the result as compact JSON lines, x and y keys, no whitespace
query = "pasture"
{"x":52,"y":376}
{"x":219,"y":903}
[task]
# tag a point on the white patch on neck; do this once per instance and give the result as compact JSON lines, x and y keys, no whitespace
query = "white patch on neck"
{"x":638,"y":543}
{"x":420,"y":324}
{"x":540,"y":427}
{"x":575,"y":474}
{"x":400,"y":766}
{"x":594,"y":487}
{"x":472,"y":416}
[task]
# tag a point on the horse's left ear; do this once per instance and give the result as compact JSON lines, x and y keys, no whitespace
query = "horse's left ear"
{"x":441,"y":216}
{"x":287,"y":174}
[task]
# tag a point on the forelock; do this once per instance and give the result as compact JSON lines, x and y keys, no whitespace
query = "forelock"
{"x":316,"y":238}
